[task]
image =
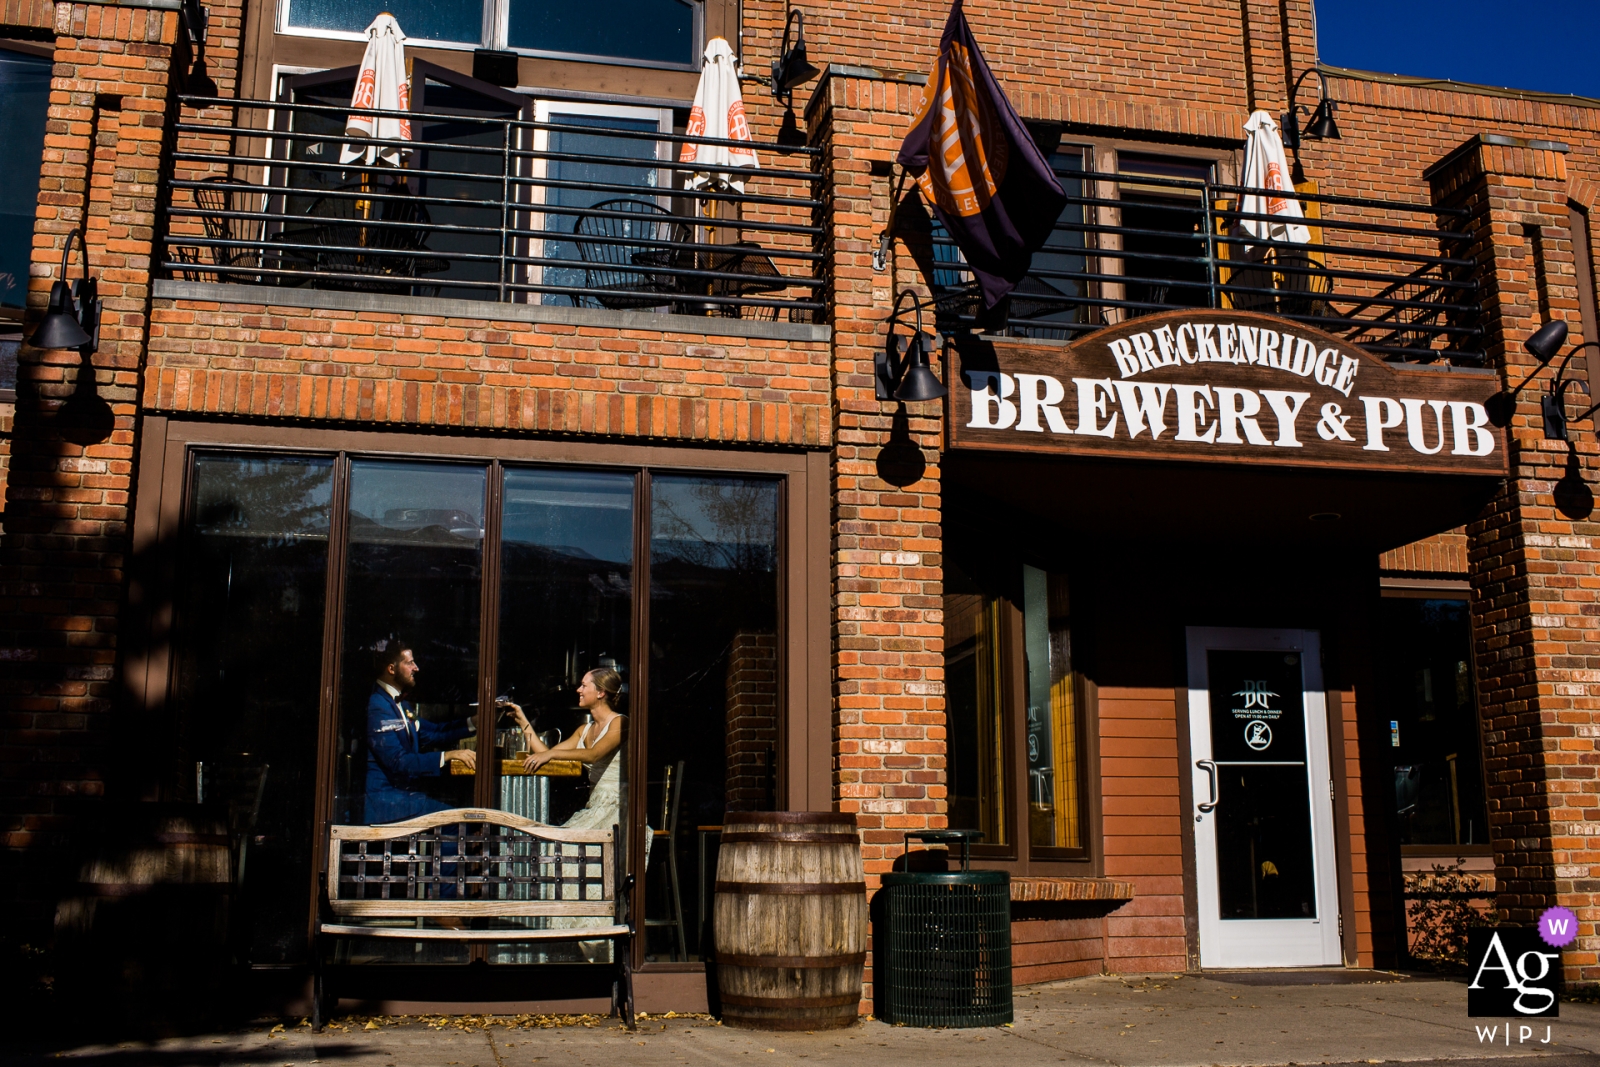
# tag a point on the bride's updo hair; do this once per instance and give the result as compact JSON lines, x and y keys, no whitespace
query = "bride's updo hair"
{"x":608,"y":682}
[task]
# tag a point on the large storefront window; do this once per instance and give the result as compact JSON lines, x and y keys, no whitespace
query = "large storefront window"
{"x":1425,"y":678}
{"x":248,"y":672}
{"x":1014,"y":708}
{"x":461,"y":586}
{"x":975,"y":659}
{"x":1054,"y":804}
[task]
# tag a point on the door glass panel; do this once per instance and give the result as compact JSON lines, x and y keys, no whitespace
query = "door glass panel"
{"x":714,"y":683}
{"x":412,"y":577}
{"x":1263,"y":817}
{"x":588,"y":183}
{"x":248,"y":674}
{"x":464,"y":211}
{"x":973,"y":670}
{"x":1054,"y":819}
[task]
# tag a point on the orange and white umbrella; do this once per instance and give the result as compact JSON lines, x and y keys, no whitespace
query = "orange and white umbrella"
{"x":381,"y":85}
{"x":718,"y":113}
{"x":1266,"y":168}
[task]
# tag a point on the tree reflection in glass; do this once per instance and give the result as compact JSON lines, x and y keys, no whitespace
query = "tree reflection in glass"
{"x":247,"y":674}
{"x":714,"y":671}
{"x":413,"y":571}
{"x":566,"y":596}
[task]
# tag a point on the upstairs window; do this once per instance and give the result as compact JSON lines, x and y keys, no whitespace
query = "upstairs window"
{"x":660,"y":33}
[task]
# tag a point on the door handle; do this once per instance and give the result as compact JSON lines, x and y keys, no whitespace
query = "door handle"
{"x":1211,"y":774}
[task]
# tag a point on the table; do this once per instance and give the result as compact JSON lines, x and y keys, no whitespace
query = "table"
{"x":524,"y":793}
{"x":757,"y":274}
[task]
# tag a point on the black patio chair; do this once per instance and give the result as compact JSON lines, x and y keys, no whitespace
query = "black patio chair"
{"x":221,"y":198}
{"x":368,"y":243}
{"x":615,"y":247}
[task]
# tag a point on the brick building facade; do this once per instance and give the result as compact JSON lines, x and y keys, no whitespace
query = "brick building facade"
{"x":878,"y":511}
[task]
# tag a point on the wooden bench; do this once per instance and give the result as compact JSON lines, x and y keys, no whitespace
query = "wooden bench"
{"x":480,"y":871}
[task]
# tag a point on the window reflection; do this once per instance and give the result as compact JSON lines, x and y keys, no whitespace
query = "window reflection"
{"x":248,"y":672}
{"x":412,"y":578}
{"x":566,"y":599}
{"x":1052,"y":741}
{"x":973,"y":671}
{"x":653,"y":31}
{"x":714,"y":670}
{"x":1432,"y":715}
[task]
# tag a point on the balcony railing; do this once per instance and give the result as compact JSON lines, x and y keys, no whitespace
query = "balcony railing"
{"x":1388,"y":276}
{"x":492,"y":209}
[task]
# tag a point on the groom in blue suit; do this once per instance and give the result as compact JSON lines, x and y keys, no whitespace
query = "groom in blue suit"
{"x":404,"y":751}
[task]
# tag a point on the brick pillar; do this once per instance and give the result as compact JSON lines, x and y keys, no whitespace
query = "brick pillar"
{"x":752,"y":731}
{"x":66,"y":536}
{"x":1533,"y":568}
{"x":889,"y":731}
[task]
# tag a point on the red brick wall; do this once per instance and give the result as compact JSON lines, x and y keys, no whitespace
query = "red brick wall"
{"x":28,"y":14}
{"x":392,"y":369}
{"x":1441,"y":554}
{"x":67,"y":501}
{"x":1144,"y":827}
{"x":752,"y":730}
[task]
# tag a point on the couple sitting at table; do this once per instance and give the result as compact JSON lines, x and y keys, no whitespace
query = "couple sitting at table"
{"x":403,"y":751}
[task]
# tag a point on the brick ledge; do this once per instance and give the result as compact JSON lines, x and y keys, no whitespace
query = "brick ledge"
{"x":483,"y":310}
{"x":1044,"y":890}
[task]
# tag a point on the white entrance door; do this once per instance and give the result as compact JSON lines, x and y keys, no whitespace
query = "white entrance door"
{"x":1263,"y":819}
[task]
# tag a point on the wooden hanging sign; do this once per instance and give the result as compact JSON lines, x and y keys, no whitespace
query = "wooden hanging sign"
{"x":1222,"y":386}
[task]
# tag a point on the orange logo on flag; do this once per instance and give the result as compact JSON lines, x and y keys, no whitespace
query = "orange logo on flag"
{"x":969,"y":163}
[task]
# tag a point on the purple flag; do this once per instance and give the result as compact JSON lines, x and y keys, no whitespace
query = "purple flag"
{"x":978,"y":167}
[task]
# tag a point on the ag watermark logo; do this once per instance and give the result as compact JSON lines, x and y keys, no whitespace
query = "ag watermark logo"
{"x":1514,"y":971}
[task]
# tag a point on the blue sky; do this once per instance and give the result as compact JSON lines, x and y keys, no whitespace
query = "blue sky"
{"x":1552,"y":46}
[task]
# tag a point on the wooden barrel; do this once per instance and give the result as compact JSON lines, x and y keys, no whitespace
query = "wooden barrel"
{"x":790,"y":920}
{"x":146,"y":924}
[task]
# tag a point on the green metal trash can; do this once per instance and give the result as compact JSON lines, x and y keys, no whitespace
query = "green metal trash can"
{"x":946,"y":943}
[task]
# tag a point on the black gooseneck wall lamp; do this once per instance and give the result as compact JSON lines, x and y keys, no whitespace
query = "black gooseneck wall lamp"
{"x":1322,"y":127}
{"x":791,"y":69}
{"x":73,"y":318}
{"x":1543,"y":345}
{"x":906,"y":376}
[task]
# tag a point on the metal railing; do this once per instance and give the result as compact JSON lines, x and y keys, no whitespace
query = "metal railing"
{"x":1389,"y":276}
{"x":494,"y":209}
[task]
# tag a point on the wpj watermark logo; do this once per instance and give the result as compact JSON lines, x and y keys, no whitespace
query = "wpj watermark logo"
{"x":1515,"y":972}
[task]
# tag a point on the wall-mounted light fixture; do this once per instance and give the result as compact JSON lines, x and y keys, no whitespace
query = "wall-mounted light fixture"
{"x":1543,"y":345}
{"x":1322,"y":127}
{"x":906,"y":375}
{"x":791,"y":69}
{"x":73,"y":318}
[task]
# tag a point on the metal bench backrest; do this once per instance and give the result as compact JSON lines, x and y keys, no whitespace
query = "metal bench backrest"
{"x":471,"y":861}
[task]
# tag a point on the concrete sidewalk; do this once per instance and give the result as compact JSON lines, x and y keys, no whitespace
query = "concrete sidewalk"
{"x":1165,"y":1021}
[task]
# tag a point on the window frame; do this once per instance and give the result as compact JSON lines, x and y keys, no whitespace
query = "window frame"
{"x":533,"y":274}
{"x":494,"y":32}
{"x":1400,"y":588}
{"x":804,"y":764}
{"x":1020,"y":855}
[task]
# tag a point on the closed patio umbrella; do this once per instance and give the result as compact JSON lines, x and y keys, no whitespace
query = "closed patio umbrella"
{"x":718,"y":113}
{"x":381,"y":85}
{"x":1265,"y":167}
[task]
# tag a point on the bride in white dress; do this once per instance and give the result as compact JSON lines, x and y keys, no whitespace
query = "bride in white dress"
{"x":596,"y":746}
